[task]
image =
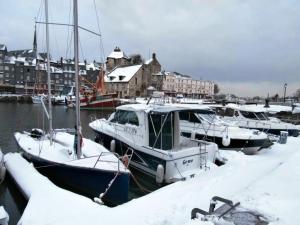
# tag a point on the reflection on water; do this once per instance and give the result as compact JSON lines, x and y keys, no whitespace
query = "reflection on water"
{"x":19,"y":117}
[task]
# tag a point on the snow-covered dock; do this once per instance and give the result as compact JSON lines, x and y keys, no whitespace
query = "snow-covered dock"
{"x":268,"y":182}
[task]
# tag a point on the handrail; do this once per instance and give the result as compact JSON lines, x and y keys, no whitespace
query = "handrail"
{"x":107,"y":153}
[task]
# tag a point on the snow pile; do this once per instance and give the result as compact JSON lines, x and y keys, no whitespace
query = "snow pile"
{"x":268,"y":182}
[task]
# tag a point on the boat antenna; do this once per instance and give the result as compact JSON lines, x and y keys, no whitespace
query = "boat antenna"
{"x":76,"y":56}
{"x":48,"y":74}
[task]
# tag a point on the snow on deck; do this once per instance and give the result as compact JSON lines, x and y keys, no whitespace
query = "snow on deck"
{"x":62,"y":151}
{"x":268,"y":182}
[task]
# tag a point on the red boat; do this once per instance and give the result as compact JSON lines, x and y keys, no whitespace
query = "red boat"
{"x":107,"y":101}
{"x":97,"y":98}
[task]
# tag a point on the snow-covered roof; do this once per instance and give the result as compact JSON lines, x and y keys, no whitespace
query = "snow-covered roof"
{"x":55,"y":70}
{"x":151,"y":88}
{"x":117,"y":54}
{"x":148,"y":61}
{"x":92,"y":66}
{"x":122,"y":74}
{"x":2,"y":47}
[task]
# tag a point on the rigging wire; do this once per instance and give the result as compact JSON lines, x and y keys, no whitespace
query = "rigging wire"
{"x":69,"y":34}
{"x":99,"y":30}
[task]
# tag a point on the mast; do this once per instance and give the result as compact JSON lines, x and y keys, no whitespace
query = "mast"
{"x":48,"y":73}
{"x":76,"y":56}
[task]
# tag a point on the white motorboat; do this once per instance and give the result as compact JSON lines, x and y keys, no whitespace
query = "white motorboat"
{"x":153,"y":133}
{"x":208,"y":126}
{"x":252,"y":118}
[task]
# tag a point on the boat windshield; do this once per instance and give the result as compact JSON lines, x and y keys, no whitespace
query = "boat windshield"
{"x":209,"y":117}
{"x":261,"y":116}
{"x":67,"y":89}
{"x":249,"y":115}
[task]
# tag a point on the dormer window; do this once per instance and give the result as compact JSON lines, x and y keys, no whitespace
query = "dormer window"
{"x":111,"y":78}
{"x":121,"y":77}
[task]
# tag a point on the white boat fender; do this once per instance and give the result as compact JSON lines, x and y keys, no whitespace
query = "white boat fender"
{"x":113,"y":145}
{"x":2,"y":167}
{"x":160,"y":171}
{"x":226,"y":140}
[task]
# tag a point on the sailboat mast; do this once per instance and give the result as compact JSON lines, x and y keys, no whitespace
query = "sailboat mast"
{"x":76,"y":56}
{"x":48,"y":73}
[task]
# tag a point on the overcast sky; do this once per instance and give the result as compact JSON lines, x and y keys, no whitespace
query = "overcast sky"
{"x":247,"y":47}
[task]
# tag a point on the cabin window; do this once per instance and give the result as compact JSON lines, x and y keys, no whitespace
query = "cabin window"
{"x":261,"y":116}
{"x":161,"y":130}
{"x":229,"y":112}
{"x":123,"y":117}
{"x":249,"y":115}
{"x":189,"y":116}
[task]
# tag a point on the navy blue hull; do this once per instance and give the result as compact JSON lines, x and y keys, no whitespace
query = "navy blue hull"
{"x":89,"y":182}
{"x":140,"y":161}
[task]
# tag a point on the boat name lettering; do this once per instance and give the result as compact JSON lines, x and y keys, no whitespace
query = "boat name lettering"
{"x":130,"y":130}
{"x":188,"y":161}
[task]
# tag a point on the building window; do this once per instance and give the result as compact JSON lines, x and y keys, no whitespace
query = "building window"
{"x":6,"y":68}
{"x":136,"y":80}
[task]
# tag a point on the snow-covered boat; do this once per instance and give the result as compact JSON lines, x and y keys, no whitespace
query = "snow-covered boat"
{"x":37,"y":99}
{"x":87,"y":168}
{"x":90,"y":175}
{"x":153,"y":133}
{"x":252,"y":118}
{"x":208,"y":126}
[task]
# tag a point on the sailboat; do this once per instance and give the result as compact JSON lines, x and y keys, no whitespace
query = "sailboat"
{"x":88,"y":169}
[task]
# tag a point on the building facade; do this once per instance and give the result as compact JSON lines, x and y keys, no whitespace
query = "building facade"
{"x":174,"y":83}
{"x":25,"y":72}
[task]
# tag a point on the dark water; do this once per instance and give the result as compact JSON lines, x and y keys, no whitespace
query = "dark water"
{"x":19,"y":117}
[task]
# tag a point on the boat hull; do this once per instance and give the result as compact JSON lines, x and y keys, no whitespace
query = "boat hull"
{"x":292,"y":132}
{"x":89,"y":182}
{"x":97,"y":102}
{"x":247,"y":146}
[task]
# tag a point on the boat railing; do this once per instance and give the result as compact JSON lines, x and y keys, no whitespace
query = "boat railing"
{"x":102,"y":154}
{"x":203,"y":153}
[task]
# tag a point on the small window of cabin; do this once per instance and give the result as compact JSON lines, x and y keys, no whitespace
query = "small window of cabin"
{"x":161,"y":130}
{"x":123,"y":117}
{"x":229,"y":112}
{"x":189,"y":116}
{"x":236,"y":113}
{"x":249,"y":115}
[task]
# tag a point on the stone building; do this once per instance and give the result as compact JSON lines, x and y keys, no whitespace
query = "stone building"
{"x":130,"y":76}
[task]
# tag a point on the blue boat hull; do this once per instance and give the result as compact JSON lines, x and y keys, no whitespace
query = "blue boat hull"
{"x":89,"y":182}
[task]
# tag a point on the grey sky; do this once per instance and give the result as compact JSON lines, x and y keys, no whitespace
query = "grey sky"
{"x":248,"y":47}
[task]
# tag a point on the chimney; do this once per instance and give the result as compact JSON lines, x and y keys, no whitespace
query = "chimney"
{"x":153,"y":56}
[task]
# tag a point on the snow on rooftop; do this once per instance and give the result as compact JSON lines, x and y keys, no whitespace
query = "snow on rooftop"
{"x":267,"y":182}
{"x":117,"y":55}
{"x":2,"y":47}
{"x":148,"y":61}
{"x":122,"y":74}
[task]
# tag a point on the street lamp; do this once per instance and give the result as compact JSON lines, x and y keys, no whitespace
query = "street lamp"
{"x":285,"y":85}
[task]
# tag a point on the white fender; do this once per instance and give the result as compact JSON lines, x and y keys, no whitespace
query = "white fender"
{"x":226,"y":140}
{"x":113,"y":145}
{"x":160,"y":171}
{"x":2,"y":167}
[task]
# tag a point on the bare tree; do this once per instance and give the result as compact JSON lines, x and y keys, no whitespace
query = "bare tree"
{"x":216,"y":89}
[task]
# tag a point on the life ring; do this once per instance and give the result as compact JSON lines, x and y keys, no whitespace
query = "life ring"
{"x":125,"y":160}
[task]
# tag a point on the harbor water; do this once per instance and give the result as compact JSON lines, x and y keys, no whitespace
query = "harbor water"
{"x":19,"y":117}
